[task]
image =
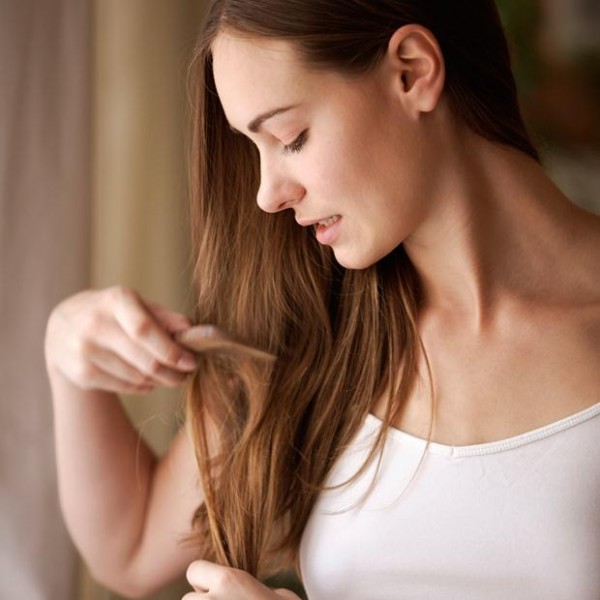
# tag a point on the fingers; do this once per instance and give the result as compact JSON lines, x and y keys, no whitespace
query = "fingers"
{"x":283,"y":593}
{"x":128,"y":379}
{"x":210,"y":580}
{"x":99,"y":378}
{"x":222,"y":582}
{"x":200,"y":337}
{"x":106,"y":366}
{"x":172,"y":321}
{"x":123,"y":358}
{"x":140,"y":325}
{"x":204,"y":575}
{"x":111,"y":339}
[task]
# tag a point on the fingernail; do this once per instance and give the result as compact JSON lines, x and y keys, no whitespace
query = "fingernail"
{"x":187,"y":362}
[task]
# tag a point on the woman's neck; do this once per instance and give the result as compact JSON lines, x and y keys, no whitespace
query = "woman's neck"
{"x":498,"y":233}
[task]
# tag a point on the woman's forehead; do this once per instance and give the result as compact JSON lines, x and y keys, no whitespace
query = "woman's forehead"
{"x":243,"y":57}
{"x":254,"y":74}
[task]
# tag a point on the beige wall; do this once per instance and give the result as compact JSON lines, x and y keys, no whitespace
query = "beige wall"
{"x":141,"y":52}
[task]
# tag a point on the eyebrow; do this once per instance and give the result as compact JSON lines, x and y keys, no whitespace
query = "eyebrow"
{"x":258,"y":121}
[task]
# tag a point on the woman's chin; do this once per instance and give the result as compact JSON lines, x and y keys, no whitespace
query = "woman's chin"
{"x":354,"y":262}
{"x":353,"y":259}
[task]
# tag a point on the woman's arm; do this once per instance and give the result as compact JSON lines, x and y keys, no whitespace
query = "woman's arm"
{"x":125,"y":509}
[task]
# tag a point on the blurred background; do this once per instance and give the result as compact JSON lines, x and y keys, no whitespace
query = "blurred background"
{"x":93,"y":131}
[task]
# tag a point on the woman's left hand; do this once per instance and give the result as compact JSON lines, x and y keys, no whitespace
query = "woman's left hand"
{"x":215,"y":582}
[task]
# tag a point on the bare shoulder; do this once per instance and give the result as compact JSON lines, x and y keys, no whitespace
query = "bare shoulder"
{"x":590,"y":275}
{"x":562,"y":328}
{"x":584,"y":313}
{"x":578,"y":274}
{"x":588,"y":321}
{"x":585,"y":268}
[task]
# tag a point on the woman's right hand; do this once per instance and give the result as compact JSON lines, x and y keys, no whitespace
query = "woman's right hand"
{"x":112,"y":340}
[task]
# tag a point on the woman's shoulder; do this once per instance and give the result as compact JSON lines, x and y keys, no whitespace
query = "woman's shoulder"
{"x":566,"y":318}
{"x":582,"y":270}
{"x":585,"y":308}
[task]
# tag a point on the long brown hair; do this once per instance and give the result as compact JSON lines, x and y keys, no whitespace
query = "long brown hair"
{"x":340,"y":338}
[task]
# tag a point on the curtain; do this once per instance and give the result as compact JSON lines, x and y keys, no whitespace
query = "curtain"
{"x":44,"y":255}
{"x":141,"y":54}
{"x":92,"y":193}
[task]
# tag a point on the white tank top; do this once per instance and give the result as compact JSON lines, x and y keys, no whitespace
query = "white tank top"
{"x":517,"y":519}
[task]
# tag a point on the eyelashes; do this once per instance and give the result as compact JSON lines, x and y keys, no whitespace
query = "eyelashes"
{"x":297,"y":144}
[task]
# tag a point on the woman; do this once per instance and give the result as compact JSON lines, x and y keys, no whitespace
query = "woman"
{"x":369,"y":210}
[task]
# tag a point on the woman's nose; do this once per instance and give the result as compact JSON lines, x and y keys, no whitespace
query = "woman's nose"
{"x":277,"y":192}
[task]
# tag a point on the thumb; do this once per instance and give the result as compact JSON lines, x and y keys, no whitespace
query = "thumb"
{"x":283,"y":593}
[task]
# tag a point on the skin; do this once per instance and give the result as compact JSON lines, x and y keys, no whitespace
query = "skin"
{"x":508,"y":264}
{"x":222,"y":583}
{"x":509,"y":268}
{"x":100,"y":343}
{"x":350,"y":163}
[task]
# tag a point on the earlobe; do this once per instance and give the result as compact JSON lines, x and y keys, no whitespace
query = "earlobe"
{"x":418,"y":67}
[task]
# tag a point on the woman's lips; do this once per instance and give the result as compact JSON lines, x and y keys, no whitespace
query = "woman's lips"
{"x":327,"y":230}
{"x":328,"y":221}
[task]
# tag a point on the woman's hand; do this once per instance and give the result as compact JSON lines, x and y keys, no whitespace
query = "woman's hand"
{"x":215,"y":582}
{"x":112,"y":340}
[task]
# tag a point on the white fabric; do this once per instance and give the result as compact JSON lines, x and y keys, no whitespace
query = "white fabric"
{"x":516,"y":519}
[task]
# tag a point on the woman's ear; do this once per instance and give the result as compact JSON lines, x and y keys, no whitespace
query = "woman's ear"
{"x":417,"y":68}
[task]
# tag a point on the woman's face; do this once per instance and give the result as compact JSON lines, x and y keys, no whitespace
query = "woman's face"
{"x":341,"y":152}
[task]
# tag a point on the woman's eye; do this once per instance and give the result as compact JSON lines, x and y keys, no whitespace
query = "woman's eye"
{"x":297,"y":144}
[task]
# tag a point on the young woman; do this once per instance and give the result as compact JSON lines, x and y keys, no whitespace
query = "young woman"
{"x":422,"y":417}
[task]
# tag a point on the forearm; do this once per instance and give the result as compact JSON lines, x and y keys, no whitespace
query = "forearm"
{"x":119,"y":506}
{"x":104,"y":476}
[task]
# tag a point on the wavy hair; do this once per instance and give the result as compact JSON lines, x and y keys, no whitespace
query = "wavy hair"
{"x":333,"y":340}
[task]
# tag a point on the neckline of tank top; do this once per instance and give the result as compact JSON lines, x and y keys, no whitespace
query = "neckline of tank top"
{"x":490,"y":447}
